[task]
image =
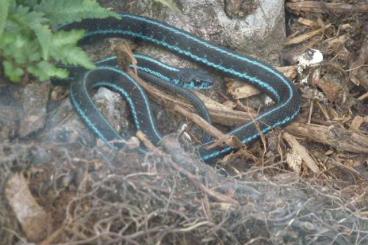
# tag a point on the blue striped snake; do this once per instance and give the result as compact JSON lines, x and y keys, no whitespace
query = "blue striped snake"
{"x":221,"y":60}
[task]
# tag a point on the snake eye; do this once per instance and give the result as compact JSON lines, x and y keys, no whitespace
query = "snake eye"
{"x":195,"y":78}
{"x":204,"y":82}
{"x":196,"y":81}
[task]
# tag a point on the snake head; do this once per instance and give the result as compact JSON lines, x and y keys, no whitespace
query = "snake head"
{"x":192,"y":78}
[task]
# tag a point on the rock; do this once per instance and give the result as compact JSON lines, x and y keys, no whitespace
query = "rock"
{"x":34,"y":98}
{"x":254,"y":27}
{"x":10,"y":111}
{"x":239,"y":8}
{"x":65,"y":125}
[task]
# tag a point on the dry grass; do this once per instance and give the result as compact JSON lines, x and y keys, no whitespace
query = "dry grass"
{"x":158,"y":200}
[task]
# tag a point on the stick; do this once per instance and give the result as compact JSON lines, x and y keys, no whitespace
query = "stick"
{"x":321,"y":7}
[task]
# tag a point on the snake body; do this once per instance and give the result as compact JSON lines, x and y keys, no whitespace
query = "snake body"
{"x":219,"y":59}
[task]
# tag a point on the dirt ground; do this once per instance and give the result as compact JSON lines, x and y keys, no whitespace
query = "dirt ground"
{"x":304,"y":184}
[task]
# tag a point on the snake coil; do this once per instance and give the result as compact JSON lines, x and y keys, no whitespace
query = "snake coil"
{"x":222,"y":60}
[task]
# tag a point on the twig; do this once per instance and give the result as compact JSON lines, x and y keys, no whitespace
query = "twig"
{"x":216,"y":195}
{"x":306,"y":36}
{"x":222,"y":115}
{"x":222,"y":138}
{"x":363,"y":97}
{"x":337,"y":137}
{"x":147,"y":143}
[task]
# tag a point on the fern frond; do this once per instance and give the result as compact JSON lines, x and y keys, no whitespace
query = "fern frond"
{"x":18,"y":47}
{"x":65,"y":49}
{"x":67,"y":11}
{"x":64,"y":38}
{"x":44,"y":70}
{"x":3,"y":14}
{"x":12,"y":71}
{"x":28,"y":44}
{"x":37,"y":23}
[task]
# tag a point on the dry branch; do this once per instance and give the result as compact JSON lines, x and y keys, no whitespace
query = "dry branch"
{"x":220,"y":114}
{"x":322,"y":7}
{"x":306,"y":36}
{"x":337,"y":137}
{"x":146,"y":142}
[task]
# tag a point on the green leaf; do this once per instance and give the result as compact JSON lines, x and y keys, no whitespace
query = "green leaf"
{"x":65,"y":49}
{"x":36,"y":22}
{"x":66,"y":38}
{"x":29,"y":46}
{"x":67,"y":11}
{"x":19,"y":48}
{"x":12,"y":72}
{"x":3,"y":14}
{"x":44,"y":37}
{"x":44,"y":70}
{"x":77,"y":56}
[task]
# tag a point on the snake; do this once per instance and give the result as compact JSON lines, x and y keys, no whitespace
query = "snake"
{"x":210,"y":56}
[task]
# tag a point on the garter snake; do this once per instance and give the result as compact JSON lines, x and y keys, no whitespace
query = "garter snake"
{"x":184,"y":44}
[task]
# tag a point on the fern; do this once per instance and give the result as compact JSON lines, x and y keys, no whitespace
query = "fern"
{"x":36,"y":22}
{"x":64,"y":49}
{"x":28,"y":44}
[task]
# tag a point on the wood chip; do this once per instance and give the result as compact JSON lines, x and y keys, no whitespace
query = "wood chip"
{"x":330,"y":88}
{"x":290,"y":72}
{"x":240,"y":90}
{"x":308,"y":22}
{"x":358,"y":121}
{"x":294,"y":161}
{"x":32,"y":217}
{"x":302,"y":152}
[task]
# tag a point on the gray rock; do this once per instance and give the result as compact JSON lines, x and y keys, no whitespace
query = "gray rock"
{"x":254,"y":27}
{"x":65,"y":126}
{"x":10,"y":109}
{"x":34,"y":98}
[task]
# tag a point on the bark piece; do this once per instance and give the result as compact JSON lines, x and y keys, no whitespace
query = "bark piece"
{"x":32,"y":217}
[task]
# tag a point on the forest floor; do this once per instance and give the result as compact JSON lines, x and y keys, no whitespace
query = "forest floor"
{"x":305,"y":184}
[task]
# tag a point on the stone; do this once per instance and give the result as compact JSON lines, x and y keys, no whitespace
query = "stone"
{"x":34,"y":99}
{"x":255,"y":27}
